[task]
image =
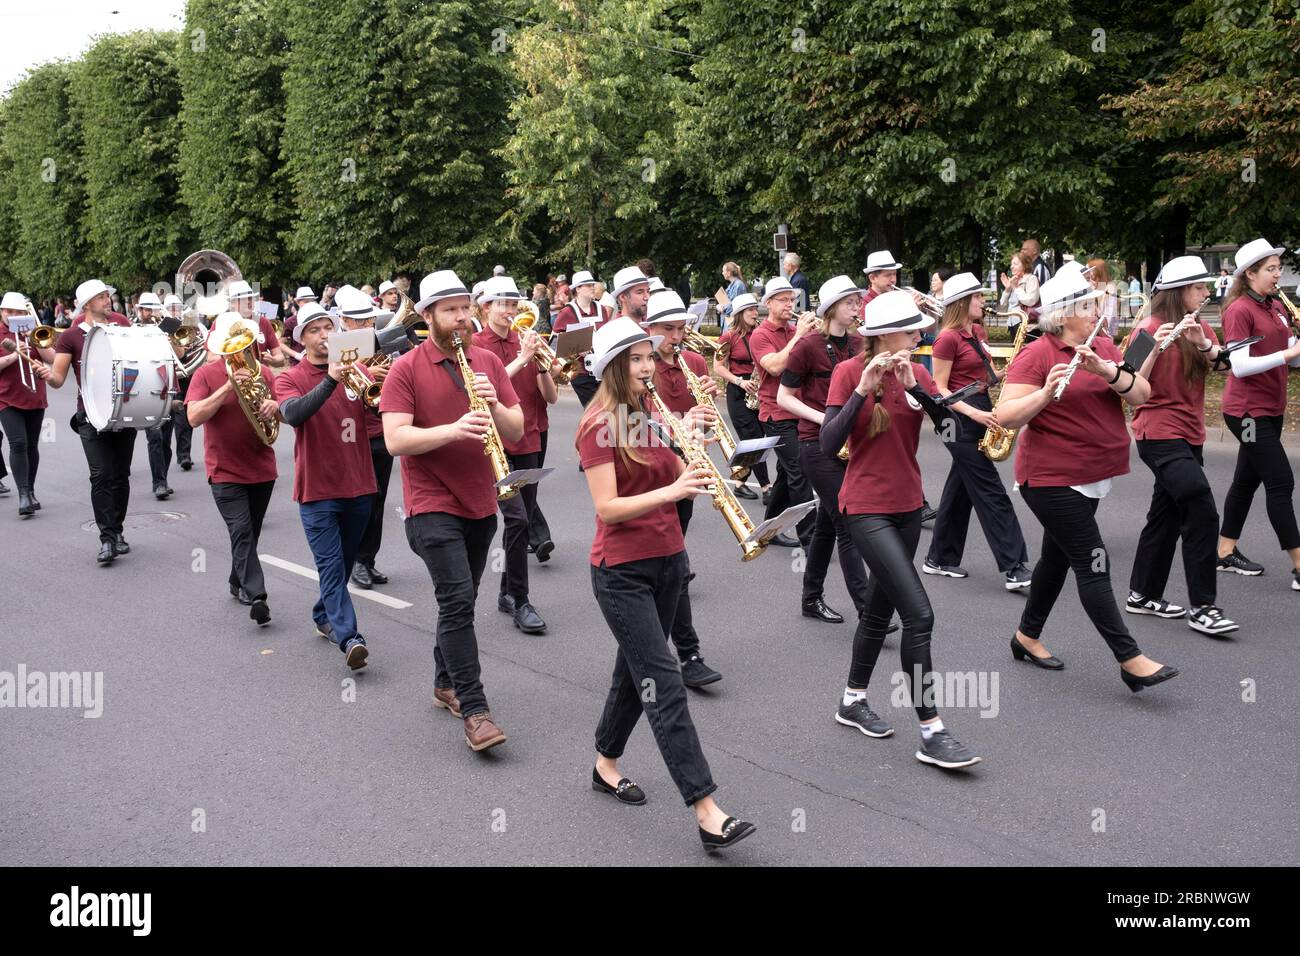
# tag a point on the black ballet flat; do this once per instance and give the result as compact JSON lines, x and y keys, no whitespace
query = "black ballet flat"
{"x":733,"y":831}
{"x":1020,"y":653}
{"x":1136,"y":683}
{"x":626,"y":791}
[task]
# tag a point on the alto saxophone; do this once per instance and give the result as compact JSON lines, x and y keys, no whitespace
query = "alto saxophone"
{"x":733,"y":514}
{"x":998,"y":442}
{"x":726,"y":440}
{"x":492,"y":446}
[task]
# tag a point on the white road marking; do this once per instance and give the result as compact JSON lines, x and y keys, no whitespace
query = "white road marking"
{"x":377,"y":596}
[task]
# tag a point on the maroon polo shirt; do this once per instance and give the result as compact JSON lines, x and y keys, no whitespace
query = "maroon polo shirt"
{"x":526,"y":387}
{"x":740,"y":360}
{"x":1080,"y":439}
{"x":72,"y":341}
{"x":331,"y":456}
{"x":959,"y":349}
{"x":456,"y":478}
{"x":670,"y":381}
{"x":13,"y":393}
{"x":232,"y":452}
{"x":655,"y":534}
{"x":809,"y":373}
{"x":1175,"y":409}
{"x":1264,"y":393}
{"x":766,"y":340}
{"x":883,"y":476}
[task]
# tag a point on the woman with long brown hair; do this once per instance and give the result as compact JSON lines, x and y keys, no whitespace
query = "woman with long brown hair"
{"x":1254,"y":402}
{"x":638,"y":563}
{"x":1170,"y":432}
{"x":733,"y":362}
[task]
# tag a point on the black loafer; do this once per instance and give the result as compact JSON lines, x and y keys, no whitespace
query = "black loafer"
{"x":528,"y":620}
{"x":785,"y":541}
{"x":36,"y":505}
{"x":744,"y":491}
{"x":544,"y":550}
{"x":818,"y":610}
{"x":186,"y":465}
{"x":733,"y":831}
{"x":626,"y":791}
{"x":505,"y":604}
{"x":120,"y":546}
{"x":1021,"y":653}
{"x":243,"y":598}
{"x":162,"y":492}
{"x":361,"y":577}
{"x":259,"y":613}
{"x":106,"y":552}
{"x":376,"y":576}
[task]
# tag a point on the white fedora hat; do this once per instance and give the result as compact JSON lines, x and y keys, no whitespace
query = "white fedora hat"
{"x":354,"y":304}
{"x":776,"y":287}
{"x":172,"y":299}
{"x":892,"y":311}
{"x":1068,"y":287}
{"x":386,"y":285}
{"x":656,"y":284}
{"x":882,"y":261}
{"x":14,"y":300}
{"x":582,"y":277}
{"x":960,"y":286}
{"x":1181,"y":271}
{"x":831,"y":291}
{"x":616,"y":336}
{"x":625,"y":279}
{"x":742,"y":302}
{"x":499,"y":287}
{"x":665,"y":306}
{"x":89,"y":289}
{"x":1255,"y":251}
{"x":437,"y":286}
{"x":148,"y":300}
{"x":308,"y":314}
{"x":305,"y":293}
{"x":239,"y":289}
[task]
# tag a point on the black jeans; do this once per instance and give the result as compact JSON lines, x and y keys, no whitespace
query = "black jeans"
{"x":539,"y":530}
{"x":682,"y":632}
{"x":584,"y":386}
{"x":745,"y":422}
{"x":514,"y":541}
{"x":109,"y":456}
{"x":22,"y":426}
{"x":791,"y":486}
{"x":158,"y":440}
{"x":888,"y":542}
{"x":455,"y":551}
{"x":181,"y":427}
{"x":973,"y":481}
{"x":1182,"y":506}
{"x":242,"y":508}
{"x":1072,"y":540}
{"x":638,"y":600}
{"x":374,"y":534}
{"x":830,"y":529}
{"x":1262,"y":460}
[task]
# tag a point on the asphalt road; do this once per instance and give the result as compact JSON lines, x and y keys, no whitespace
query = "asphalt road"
{"x":220,"y":743}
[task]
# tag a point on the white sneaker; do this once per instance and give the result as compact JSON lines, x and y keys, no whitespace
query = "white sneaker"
{"x":1210,"y":620}
{"x":1137,"y":604}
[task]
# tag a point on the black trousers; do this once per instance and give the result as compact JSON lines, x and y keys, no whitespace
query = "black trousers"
{"x":1072,"y":541}
{"x":888,"y":542}
{"x":682,"y":631}
{"x":584,"y":386}
{"x":22,"y":426}
{"x":791,"y":486}
{"x":745,"y":421}
{"x":539,"y":530}
{"x":242,"y":508}
{"x":973,"y":481}
{"x":830,"y":529}
{"x":638,"y":600}
{"x":1182,"y":506}
{"x":374,"y":533}
{"x":109,"y":456}
{"x":1261,"y":460}
{"x":455,"y":551}
{"x":159,"y":442}
{"x":181,"y":427}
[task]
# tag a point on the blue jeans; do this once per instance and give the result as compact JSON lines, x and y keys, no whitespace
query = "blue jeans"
{"x":334,"y":528}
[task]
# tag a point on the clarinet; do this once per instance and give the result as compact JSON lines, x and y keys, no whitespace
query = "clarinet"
{"x":1177,"y":333}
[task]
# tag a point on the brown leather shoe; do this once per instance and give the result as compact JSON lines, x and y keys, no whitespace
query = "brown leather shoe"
{"x":445,"y":697}
{"x":481,"y":733}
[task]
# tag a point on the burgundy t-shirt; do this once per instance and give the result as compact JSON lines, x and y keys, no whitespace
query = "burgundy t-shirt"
{"x":740,"y":361}
{"x":331,"y":454}
{"x":670,"y":381}
{"x":72,"y":341}
{"x":957,"y":348}
{"x":232,"y":452}
{"x":809,"y":373}
{"x":1174,"y":410}
{"x":1265,"y":393}
{"x":531,"y":400}
{"x":655,"y":534}
{"x":883,"y":476}
{"x":1080,"y":439}
{"x":457,"y":478}
{"x":13,"y":393}
{"x":766,"y":340}
{"x":268,"y":332}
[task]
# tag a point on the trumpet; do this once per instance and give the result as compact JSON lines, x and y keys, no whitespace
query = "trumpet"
{"x":545,"y":358}
{"x":1178,"y":331}
{"x":929,"y":304}
{"x":357,"y":384}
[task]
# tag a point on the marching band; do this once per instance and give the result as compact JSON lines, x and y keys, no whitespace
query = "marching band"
{"x":459,"y":389}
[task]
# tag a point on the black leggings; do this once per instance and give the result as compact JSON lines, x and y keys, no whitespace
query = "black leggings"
{"x":1182,"y":506}
{"x":1262,"y":459}
{"x":888,"y":544}
{"x":745,"y":422}
{"x":22,"y":426}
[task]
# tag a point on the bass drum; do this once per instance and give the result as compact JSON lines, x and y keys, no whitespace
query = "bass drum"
{"x":128,"y":377}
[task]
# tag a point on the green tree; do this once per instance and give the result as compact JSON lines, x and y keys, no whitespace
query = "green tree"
{"x":8,"y":212}
{"x":125,"y":98}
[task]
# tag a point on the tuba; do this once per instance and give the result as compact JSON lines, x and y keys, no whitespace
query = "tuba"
{"x":998,"y":442}
{"x":252,"y":392}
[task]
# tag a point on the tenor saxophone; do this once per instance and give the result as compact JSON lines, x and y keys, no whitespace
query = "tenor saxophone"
{"x":238,"y":354}
{"x":693,"y":452}
{"x":726,"y":440}
{"x":492,"y":446}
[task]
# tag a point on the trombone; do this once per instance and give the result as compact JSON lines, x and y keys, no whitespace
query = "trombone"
{"x":40,"y":337}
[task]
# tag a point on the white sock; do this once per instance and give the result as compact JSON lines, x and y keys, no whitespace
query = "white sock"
{"x":851,"y":695}
{"x":928,"y":730}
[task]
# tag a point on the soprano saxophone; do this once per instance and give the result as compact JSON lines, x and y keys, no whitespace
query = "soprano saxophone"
{"x":726,"y":440}
{"x":492,"y":446}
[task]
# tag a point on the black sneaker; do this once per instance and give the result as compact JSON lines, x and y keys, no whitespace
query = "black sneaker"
{"x":1019,"y":578}
{"x":859,"y":715}
{"x":106,"y":552}
{"x":928,"y":514}
{"x":260,"y":613}
{"x":162,"y":492}
{"x":945,"y":750}
{"x":543,"y":552}
{"x":1295,"y":580}
{"x":505,"y":604}
{"x":186,"y":465}
{"x":929,"y":567}
{"x":1137,"y":604}
{"x":1238,"y":563}
{"x":696,"y":673}
{"x":120,"y":547}
{"x":1210,"y":620}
